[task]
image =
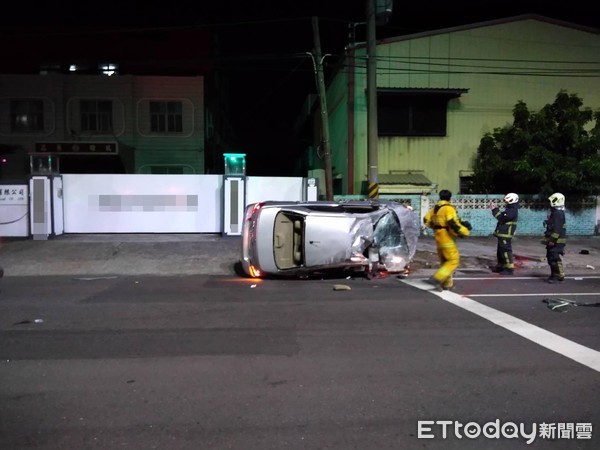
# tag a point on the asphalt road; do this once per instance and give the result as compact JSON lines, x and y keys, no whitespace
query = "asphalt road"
{"x":219,"y":362}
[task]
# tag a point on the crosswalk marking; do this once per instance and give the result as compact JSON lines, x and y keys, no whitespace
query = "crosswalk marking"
{"x":579,"y":353}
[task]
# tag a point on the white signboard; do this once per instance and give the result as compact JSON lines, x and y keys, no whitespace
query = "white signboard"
{"x":14,"y":210}
{"x":120,"y":203}
{"x":13,"y":194}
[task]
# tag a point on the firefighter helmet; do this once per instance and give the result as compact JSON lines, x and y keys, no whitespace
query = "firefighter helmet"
{"x":557,"y":199}
{"x":511,"y":198}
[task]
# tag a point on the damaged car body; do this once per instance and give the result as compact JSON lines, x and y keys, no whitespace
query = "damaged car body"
{"x":298,"y":239}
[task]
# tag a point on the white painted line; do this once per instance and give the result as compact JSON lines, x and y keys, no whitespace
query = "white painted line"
{"x":579,"y":353}
{"x":550,"y":294}
{"x":512,"y":277}
{"x":498,"y":278}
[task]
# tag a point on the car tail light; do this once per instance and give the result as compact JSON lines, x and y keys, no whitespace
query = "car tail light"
{"x":250,"y":212}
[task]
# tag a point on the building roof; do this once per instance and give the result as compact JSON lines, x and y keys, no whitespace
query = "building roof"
{"x":487,"y":24}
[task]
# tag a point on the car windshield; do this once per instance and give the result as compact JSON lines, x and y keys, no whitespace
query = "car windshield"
{"x":391,"y":242}
{"x":388,"y":232}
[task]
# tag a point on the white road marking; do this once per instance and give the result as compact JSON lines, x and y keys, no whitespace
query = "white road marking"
{"x":512,"y":277}
{"x":579,"y":353}
{"x":550,"y":294}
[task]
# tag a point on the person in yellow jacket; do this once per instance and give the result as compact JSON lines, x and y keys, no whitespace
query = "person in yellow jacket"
{"x":446,"y":226}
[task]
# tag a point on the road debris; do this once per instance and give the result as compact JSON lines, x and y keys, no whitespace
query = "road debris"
{"x":559,"y":304}
{"x":27,"y":321}
{"x":341,"y":287}
{"x":563,"y":305}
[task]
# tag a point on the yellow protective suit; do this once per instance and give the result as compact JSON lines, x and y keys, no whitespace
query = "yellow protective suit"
{"x":446,"y":228}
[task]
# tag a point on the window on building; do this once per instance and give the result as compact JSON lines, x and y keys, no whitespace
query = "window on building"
{"x":466,"y":185}
{"x":466,"y":182}
{"x":96,"y":116}
{"x":166,"y":117}
{"x":26,"y":116}
{"x":413,"y":112}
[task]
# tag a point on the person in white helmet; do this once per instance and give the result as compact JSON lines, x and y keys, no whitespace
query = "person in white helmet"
{"x":504,"y":232}
{"x":555,"y":237}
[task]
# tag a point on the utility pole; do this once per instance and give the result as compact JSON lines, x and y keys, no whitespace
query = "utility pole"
{"x":318,"y":64}
{"x":372,"y":135}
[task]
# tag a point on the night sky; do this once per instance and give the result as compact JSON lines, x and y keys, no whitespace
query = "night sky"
{"x":263,"y":44}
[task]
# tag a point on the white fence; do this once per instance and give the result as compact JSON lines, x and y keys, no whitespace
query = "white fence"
{"x":137,"y":203}
{"x":118,"y":203}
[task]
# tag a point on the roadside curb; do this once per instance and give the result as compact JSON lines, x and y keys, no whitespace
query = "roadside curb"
{"x":214,"y":254}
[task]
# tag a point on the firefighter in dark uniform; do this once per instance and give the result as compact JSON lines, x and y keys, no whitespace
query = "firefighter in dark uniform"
{"x":555,"y":237}
{"x":504,"y":232}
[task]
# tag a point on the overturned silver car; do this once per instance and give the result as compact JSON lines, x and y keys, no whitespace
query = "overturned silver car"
{"x":303,"y":238}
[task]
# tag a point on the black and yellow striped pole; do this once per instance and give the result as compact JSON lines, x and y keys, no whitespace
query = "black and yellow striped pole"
{"x":373,"y":189}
